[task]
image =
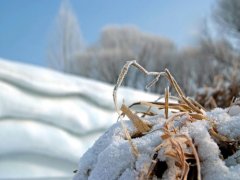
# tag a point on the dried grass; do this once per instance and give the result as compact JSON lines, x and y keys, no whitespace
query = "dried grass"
{"x":176,"y":146}
{"x":141,"y":126}
{"x":221,"y":94}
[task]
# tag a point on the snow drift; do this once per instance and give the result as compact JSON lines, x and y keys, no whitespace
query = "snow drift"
{"x":111,"y":156}
{"x":49,"y":119}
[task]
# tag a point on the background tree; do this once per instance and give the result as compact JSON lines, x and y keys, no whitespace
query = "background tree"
{"x":120,"y":44}
{"x":193,"y":67}
{"x":65,"y":39}
{"x":227,"y":15}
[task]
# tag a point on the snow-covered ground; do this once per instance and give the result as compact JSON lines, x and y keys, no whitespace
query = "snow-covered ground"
{"x":49,"y":119}
{"x":111,"y":156}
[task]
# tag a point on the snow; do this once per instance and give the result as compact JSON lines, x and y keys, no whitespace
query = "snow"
{"x":110,"y":157}
{"x":49,"y":119}
{"x":227,"y":124}
{"x":234,"y":110}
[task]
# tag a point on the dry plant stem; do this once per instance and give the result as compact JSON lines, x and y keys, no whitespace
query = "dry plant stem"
{"x":182,"y":159}
{"x":174,"y":83}
{"x":195,"y":155}
{"x":133,"y":147}
{"x":156,"y":101}
{"x":157,"y":74}
{"x":173,"y":149}
{"x":170,"y":97}
{"x":151,"y":168}
{"x":123,"y":74}
{"x":197,"y":104}
{"x":218,"y":136}
{"x":198,"y":116}
{"x":149,"y":108}
{"x":179,"y":91}
{"x":141,"y":126}
{"x":166,"y":102}
{"x":174,"y":143}
{"x":173,"y":117}
{"x":194,"y":108}
{"x":159,"y":105}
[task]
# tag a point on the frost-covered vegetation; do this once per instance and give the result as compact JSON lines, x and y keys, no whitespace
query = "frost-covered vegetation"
{"x":213,"y":56}
{"x":198,"y":142}
{"x":175,"y":138}
{"x":111,"y":156}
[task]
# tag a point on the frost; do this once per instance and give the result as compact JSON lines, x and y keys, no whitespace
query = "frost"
{"x":191,"y":143}
{"x":115,"y":160}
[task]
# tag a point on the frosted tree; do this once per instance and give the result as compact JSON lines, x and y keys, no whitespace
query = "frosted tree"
{"x":65,"y":39}
{"x":104,"y":60}
{"x":227,"y":15}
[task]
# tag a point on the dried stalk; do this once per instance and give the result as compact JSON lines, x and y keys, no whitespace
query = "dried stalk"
{"x":178,"y":147}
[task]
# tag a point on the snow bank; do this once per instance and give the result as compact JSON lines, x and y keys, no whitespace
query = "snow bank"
{"x":111,"y":157}
{"x":49,"y":119}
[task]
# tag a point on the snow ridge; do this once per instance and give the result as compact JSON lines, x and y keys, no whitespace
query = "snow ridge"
{"x":49,"y":119}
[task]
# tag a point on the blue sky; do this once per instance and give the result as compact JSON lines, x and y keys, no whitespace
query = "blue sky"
{"x":25,"y":24}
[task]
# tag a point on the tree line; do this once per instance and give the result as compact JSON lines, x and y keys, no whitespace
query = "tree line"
{"x":194,"y":66}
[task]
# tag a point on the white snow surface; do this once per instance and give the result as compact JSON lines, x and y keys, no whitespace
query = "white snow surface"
{"x":49,"y":119}
{"x":111,"y":158}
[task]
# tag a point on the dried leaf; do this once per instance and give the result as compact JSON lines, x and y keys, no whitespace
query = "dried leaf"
{"x":141,"y":126}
